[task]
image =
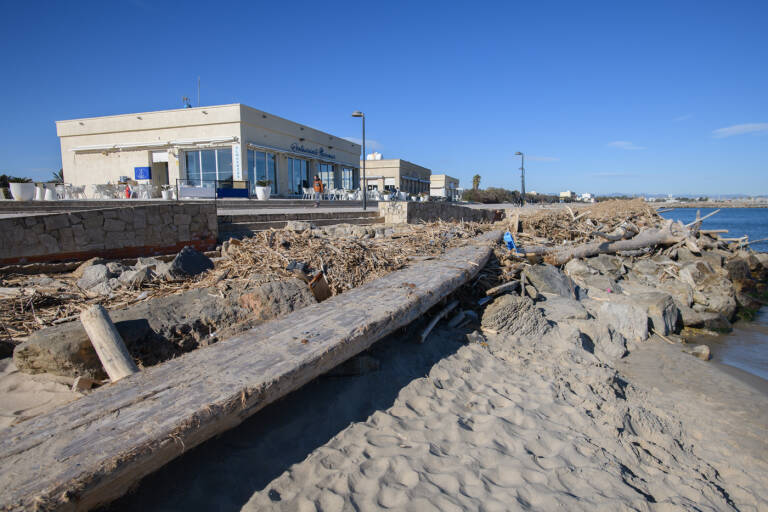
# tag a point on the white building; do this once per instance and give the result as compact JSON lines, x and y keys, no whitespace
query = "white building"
{"x":205,"y":147}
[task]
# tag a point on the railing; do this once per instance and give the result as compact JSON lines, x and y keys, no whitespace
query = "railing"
{"x":212,"y":189}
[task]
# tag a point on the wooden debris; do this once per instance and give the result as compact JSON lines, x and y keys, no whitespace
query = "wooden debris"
{"x":447,"y":309}
{"x":109,"y":345}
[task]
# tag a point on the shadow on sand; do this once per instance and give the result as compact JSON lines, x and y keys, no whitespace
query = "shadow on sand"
{"x":223,"y":473}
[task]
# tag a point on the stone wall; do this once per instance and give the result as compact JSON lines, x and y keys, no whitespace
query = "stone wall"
{"x":399,"y":212}
{"x":113,"y":232}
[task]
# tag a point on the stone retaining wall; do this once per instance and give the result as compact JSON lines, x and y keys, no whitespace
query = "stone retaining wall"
{"x":114,"y":232}
{"x":399,"y":212}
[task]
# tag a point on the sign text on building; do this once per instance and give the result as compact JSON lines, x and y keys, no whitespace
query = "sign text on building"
{"x":299,"y":148}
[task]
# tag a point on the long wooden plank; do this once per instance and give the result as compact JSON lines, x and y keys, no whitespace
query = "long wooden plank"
{"x":93,"y":450}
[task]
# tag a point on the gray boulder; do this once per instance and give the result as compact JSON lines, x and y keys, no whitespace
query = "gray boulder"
{"x":601,"y":339}
{"x":137,"y":277}
{"x":93,"y":275}
{"x":628,"y":319}
{"x":153,"y":331}
{"x":188,"y":262}
{"x":558,"y":309}
{"x":704,"y":319}
{"x":78,"y":272}
{"x":548,"y":279}
{"x":298,"y":226}
{"x":515,"y":315}
{"x":661,"y":310}
{"x":150,"y":262}
{"x":608,"y":265}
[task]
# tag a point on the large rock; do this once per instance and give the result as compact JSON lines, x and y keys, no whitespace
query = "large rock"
{"x":704,"y":319}
{"x":79,"y":271}
{"x":514,"y":315}
{"x":738,"y":269}
{"x":93,"y":275}
{"x":558,"y":309}
{"x":601,"y":339}
{"x":277,"y":298}
{"x":298,"y":226}
{"x":608,"y":265}
{"x":188,"y":262}
{"x":137,"y":277}
{"x":549,"y":279}
{"x":153,"y":331}
{"x":681,"y":292}
{"x":625,"y":317}
{"x":662,"y":312}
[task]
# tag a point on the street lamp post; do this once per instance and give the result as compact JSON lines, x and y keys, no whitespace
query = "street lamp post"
{"x":522,"y":178}
{"x":364,"y":186}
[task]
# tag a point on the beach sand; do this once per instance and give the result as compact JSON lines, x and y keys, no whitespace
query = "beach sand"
{"x":520,"y":424}
{"x":23,"y":396}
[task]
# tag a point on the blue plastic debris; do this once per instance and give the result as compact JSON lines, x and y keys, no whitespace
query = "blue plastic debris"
{"x":510,"y":241}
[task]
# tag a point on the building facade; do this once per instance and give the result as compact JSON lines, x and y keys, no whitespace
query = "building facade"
{"x":200,"y":147}
{"x":396,"y":174}
{"x":442,"y":185}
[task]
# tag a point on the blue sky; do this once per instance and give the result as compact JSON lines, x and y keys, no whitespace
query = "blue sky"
{"x":604,"y":97}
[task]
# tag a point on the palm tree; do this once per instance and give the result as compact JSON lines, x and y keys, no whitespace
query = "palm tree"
{"x":475,"y":182}
{"x":58,"y":177}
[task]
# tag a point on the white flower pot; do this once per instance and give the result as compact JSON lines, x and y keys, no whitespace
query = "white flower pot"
{"x":22,"y":191}
{"x":262,"y":193}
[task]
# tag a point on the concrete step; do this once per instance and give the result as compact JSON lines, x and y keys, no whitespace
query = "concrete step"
{"x":248,"y":228}
{"x":309,"y":216}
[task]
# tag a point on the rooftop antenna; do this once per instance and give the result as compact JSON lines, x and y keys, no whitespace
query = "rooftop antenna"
{"x":185,"y":100}
{"x":198,"y":91}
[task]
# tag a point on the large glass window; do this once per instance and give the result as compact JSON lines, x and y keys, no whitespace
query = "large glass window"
{"x":224,"y":164}
{"x":262,"y":166}
{"x":348,"y":178}
{"x":208,"y":165}
{"x":298,"y":174}
{"x":327,"y":176}
{"x":192,"y":160}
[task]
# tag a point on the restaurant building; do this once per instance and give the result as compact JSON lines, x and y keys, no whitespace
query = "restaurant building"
{"x":396,"y":174}
{"x":442,"y":185}
{"x":203,"y":147}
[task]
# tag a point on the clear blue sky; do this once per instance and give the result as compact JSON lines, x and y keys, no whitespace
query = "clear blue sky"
{"x":612,"y":96}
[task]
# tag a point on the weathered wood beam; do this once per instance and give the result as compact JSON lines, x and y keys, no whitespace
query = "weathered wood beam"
{"x":92,"y":450}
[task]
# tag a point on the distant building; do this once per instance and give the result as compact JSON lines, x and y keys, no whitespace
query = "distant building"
{"x":442,"y":185}
{"x":396,"y":174}
{"x":586,"y":197}
{"x":373,"y":156}
{"x":567,"y":195}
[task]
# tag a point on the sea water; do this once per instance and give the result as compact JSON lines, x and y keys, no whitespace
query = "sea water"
{"x":746,"y":347}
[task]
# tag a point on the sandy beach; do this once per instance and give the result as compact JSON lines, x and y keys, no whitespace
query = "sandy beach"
{"x":542,"y":424}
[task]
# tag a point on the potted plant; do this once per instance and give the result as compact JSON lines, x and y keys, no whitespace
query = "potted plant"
{"x":263,"y":189}
{"x":22,"y":189}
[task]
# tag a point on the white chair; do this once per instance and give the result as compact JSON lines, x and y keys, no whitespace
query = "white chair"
{"x":307,"y":193}
{"x":78,"y":192}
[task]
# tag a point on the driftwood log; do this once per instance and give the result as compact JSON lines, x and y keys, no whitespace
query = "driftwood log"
{"x":113,"y":354}
{"x":668,"y":235}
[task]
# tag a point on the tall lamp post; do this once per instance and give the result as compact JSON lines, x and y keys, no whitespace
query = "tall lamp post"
{"x":522,"y":178}
{"x":364,"y":186}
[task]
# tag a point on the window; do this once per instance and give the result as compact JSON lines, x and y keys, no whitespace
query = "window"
{"x":298,"y":174}
{"x":261,"y":166}
{"x":327,"y":176}
{"x":348,"y":181}
{"x":208,"y":165}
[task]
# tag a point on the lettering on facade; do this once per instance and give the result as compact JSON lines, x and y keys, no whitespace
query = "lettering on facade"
{"x":299,"y":148}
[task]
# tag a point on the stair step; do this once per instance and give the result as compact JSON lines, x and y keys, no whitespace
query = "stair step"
{"x":252,"y":227}
{"x":307,"y":216}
